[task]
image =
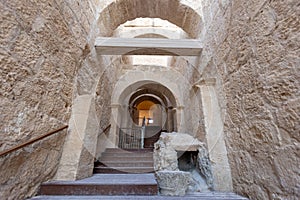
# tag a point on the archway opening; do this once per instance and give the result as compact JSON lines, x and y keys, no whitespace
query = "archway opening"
{"x":182,"y":15}
{"x":148,"y":111}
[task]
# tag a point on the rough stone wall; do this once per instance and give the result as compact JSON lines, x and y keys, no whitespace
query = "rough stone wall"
{"x":43,"y":44}
{"x":254,"y":46}
{"x":21,"y":171}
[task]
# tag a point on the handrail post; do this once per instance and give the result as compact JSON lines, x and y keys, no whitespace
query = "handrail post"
{"x":142,"y":137}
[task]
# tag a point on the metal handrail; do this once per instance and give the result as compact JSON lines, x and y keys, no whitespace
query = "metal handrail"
{"x":104,"y":130}
{"x":17,"y":147}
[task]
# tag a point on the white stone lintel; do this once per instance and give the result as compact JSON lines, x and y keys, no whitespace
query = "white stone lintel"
{"x":148,"y":46}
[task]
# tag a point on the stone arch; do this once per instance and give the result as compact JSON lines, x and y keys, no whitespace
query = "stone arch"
{"x":151,"y":35}
{"x":134,"y":111}
{"x":152,"y":92}
{"x":151,"y":32}
{"x":181,"y":15}
{"x":142,"y":98}
{"x":131,"y":81}
{"x":161,"y":96}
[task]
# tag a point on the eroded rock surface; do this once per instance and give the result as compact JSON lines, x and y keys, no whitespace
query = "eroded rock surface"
{"x":253,"y":49}
{"x":173,"y":183}
{"x":168,"y":149}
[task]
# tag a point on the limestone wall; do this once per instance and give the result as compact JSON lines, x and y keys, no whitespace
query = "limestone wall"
{"x":22,"y":171}
{"x":42,"y":46}
{"x":254,"y":47}
{"x":250,"y":47}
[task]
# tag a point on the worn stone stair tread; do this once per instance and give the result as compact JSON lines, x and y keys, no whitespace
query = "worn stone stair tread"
{"x":104,"y":184}
{"x":126,"y":170}
{"x":133,"y":161}
{"x":129,"y":159}
{"x":112,"y":179}
{"x":127,"y":154}
{"x":199,"y":196}
{"x":125,"y":164}
{"x":145,"y":150}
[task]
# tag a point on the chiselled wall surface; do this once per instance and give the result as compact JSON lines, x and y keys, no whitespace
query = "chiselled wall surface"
{"x":22,"y":172}
{"x":254,"y":47}
{"x":250,"y":47}
{"x":42,"y":46}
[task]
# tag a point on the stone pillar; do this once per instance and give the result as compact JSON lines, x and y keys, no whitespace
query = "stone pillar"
{"x":125,"y":117}
{"x":180,"y":119}
{"x":115,"y":125}
{"x":215,"y":137}
{"x":79,"y":150}
{"x":169,"y":125}
{"x":174,"y":118}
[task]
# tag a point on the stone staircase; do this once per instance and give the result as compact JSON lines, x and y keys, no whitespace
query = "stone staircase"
{"x":119,"y":174}
{"x":125,"y":161}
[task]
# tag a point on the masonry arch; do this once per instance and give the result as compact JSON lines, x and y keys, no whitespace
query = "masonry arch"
{"x":150,"y":28}
{"x":181,"y":15}
{"x":148,"y":105}
{"x":161,"y":97}
{"x":133,"y":80}
{"x":132,"y":85}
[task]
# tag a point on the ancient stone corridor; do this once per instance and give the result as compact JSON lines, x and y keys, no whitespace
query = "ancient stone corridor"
{"x":210,"y":88}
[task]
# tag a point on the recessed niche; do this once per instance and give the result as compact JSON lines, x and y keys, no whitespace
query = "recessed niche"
{"x":187,"y":160}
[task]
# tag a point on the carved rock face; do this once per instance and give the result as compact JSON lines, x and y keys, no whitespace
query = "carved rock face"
{"x":173,"y":183}
{"x":167,"y":150}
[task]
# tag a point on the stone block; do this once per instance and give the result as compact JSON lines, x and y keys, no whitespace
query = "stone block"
{"x":173,"y":183}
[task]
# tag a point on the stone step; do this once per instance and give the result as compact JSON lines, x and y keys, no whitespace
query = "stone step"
{"x":122,"y":170}
{"x":104,"y":184}
{"x":126,"y":164}
{"x":126,"y":154}
{"x":110,"y":150}
{"x":127,"y":159}
{"x":198,"y":196}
